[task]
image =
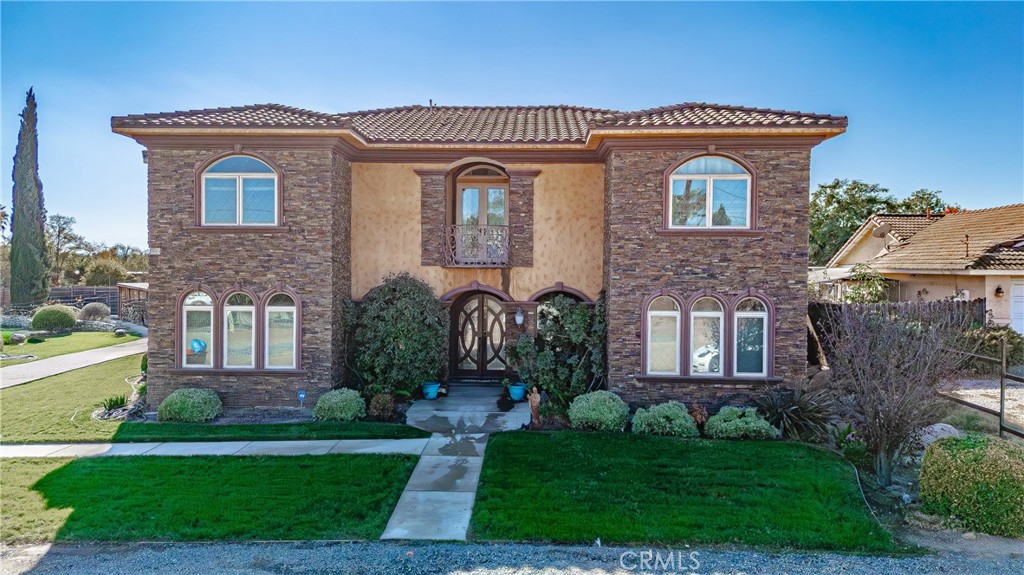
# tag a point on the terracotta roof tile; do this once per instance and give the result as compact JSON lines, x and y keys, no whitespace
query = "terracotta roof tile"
{"x":477,"y":124}
{"x":978,"y":239}
{"x":904,"y":226}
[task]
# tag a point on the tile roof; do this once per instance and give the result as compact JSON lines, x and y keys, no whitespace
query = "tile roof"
{"x":479,"y":124}
{"x":701,"y":114}
{"x":978,"y":239}
{"x":904,"y":226}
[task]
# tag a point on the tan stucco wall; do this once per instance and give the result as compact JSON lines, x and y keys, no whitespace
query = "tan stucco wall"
{"x":869,"y":247}
{"x":941,"y":286}
{"x":568,"y":230}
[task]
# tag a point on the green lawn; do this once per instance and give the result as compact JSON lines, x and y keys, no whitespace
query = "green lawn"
{"x":54,"y":345}
{"x":630,"y":489}
{"x":200,"y":498}
{"x":58,"y":409}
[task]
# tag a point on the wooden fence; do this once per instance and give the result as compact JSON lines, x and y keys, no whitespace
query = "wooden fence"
{"x":1008,"y":382}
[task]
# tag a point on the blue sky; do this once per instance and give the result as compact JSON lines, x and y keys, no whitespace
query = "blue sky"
{"x":934,"y":91}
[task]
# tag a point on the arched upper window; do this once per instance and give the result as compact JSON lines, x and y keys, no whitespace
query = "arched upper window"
{"x":709,"y":192}
{"x":281,"y":325}
{"x":663,"y":336}
{"x":479,"y":232}
{"x":197,"y":330}
{"x":239,"y":331}
{"x":751,"y":329}
{"x":707,"y":320}
{"x":239,"y":190}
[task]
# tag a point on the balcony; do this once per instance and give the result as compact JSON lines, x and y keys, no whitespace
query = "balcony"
{"x":474,"y":246}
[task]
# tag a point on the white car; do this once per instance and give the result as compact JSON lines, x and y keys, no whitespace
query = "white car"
{"x":705,"y":359}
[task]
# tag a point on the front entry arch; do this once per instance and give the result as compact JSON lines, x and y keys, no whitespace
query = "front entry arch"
{"x":477,"y":343}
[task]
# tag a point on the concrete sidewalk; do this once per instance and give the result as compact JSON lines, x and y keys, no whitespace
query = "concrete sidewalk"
{"x":13,"y":375}
{"x":240,"y":448}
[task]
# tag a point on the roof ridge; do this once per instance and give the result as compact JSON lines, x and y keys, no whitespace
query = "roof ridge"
{"x":479,"y":107}
{"x":966,"y":211}
{"x":687,"y":105}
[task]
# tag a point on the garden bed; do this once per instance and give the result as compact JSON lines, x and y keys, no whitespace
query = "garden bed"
{"x":578,"y":487}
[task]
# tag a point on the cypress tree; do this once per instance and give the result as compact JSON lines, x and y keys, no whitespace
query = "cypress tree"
{"x":29,"y":261}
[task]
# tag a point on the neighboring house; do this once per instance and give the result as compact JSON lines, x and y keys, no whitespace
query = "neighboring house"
{"x":265,"y":220}
{"x":968,"y":255}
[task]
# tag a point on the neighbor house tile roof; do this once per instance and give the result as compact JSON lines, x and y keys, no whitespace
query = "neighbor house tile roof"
{"x":479,"y":124}
{"x":904,"y":226}
{"x":979,"y":239}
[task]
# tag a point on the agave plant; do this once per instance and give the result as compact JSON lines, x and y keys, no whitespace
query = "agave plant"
{"x":802,"y":415}
{"x":115,"y":402}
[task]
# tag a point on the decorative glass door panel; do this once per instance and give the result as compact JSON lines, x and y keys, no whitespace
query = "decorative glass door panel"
{"x":478,"y":337}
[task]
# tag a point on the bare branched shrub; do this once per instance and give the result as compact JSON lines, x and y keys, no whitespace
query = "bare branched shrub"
{"x":889,"y":360}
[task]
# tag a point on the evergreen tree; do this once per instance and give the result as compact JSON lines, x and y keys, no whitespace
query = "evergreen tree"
{"x":30,"y":266}
{"x":721,"y":217}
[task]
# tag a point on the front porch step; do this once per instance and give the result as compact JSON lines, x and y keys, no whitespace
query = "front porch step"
{"x":467,"y":409}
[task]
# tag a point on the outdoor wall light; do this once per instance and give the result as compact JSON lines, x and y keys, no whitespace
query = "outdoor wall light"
{"x":520,"y":318}
{"x":999,"y":291}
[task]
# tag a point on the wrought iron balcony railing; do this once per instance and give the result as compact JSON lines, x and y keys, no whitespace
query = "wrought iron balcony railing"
{"x":476,"y":246}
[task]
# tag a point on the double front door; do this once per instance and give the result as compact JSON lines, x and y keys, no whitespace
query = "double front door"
{"x":478,"y":337}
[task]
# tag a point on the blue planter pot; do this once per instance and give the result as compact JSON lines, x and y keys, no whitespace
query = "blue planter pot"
{"x":430,"y":389}
{"x":517,"y":391}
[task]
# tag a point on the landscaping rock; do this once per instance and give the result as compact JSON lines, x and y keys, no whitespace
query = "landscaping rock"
{"x":90,"y":325}
{"x":970,"y":536}
{"x":937,"y":431}
{"x":19,"y":338}
{"x":16,"y":322}
{"x":120,"y":332}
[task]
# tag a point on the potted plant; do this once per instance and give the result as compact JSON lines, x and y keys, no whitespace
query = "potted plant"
{"x":516,"y":391}
{"x":430,"y":389}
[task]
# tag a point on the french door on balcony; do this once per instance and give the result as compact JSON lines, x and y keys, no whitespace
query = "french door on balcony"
{"x":481,"y":223}
{"x":478,"y":337}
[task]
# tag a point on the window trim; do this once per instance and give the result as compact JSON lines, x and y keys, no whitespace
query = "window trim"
{"x":227,"y":309}
{"x":722,"y":346}
{"x":199,"y":199}
{"x":764,"y":317}
{"x":670,"y":176}
{"x":212,"y":346}
{"x":678,"y":315}
{"x":267,"y":309}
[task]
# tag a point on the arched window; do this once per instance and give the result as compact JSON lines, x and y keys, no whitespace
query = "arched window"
{"x":663,"y":336}
{"x":751,"y":329}
{"x":709,"y":192}
{"x":239,"y":190}
{"x":479,"y":233}
{"x":197,"y":330}
{"x":239,"y":331}
{"x":280,"y":335}
{"x":706,"y":323}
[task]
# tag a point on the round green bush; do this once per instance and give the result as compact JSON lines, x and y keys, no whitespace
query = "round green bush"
{"x":739,"y":423}
{"x":55,"y":318}
{"x":669,"y":418}
{"x":340,"y":405}
{"x":598,"y":411}
{"x":95,"y":311}
{"x":989,"y":341}
{"x":976,"y":480}
{"x":190,"y":404}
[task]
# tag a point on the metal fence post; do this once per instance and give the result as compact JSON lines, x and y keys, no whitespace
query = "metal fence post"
{"x":1002,"y":386}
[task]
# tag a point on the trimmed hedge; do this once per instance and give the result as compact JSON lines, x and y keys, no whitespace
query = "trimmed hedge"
{"x":978,"y":480}
{"x":95,"y":311}
{"x":669,"y":418}
{"x":55,"y":318}
{"x":191,"y":405}
{"x":598,"y":411}
{"x":340,"y":405}
{"x":739,"y":423}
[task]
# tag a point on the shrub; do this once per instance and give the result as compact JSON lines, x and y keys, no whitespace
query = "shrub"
{"x":105,"y":272}
{"x":189,"y":404}
{"x":699,"y":413}
{"x":381,"y":406}
{"x":55,"y":318}
{"x":978,"y":480}
{"x":801,"y":415}
{"x":739,"y":423}
{"x":598,"y":411}
{"x":665,"y":419}
{"x":115,"y":402}
{"x":990,"y":338}
{"x":340,"y":405}
{"x":401,"y":335}
{"x":144,"y":364}
{"x":95,"y":311}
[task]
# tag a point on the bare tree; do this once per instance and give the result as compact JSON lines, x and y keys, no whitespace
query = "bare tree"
{"x":889,"y":360}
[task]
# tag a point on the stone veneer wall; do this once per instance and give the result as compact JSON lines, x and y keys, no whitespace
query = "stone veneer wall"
{"x":310,"y":256}
{"x":640,"y":262}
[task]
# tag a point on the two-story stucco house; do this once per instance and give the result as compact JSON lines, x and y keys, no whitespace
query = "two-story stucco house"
{"x":265,"y":220}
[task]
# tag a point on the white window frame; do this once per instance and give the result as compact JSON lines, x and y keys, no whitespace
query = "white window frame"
{"x":294,"y":309}
{"x":677,"y":315}
{"x":763,"y":316}
{"x":709,"y":181}
{"x":184,"y":334}
{"x":227,"y":311}
{"x":238,"y":177}
{"x":720,"y":315}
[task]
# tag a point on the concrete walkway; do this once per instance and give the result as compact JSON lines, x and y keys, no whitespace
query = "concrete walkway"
{"x":186,"y":448}
{"x":13,"y":375}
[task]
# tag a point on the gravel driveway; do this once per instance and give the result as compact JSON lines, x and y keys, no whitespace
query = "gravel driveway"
{"x":458,"y":559}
